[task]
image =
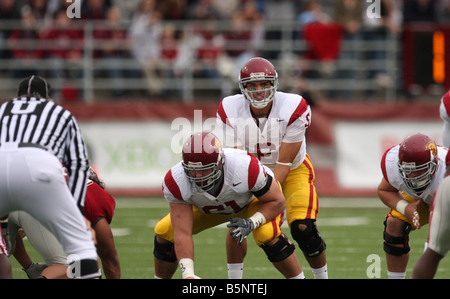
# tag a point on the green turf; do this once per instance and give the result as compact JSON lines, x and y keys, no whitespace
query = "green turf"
{"x":352,"y":229}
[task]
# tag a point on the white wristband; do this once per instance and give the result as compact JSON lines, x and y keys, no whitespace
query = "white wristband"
{"x":284,"y":163}
{"x":258,"y":219}
{"x":401,"y":206}
{"x":187,"y":267}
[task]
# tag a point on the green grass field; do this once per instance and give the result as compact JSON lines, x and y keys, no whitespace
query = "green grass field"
{"x":352,"y":229}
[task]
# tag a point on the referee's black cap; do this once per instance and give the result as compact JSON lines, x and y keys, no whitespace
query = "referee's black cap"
{"x":34,"y":86}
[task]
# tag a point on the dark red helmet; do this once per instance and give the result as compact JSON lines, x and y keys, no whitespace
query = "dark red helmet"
{"x":203,"y":152}
{"x":258,"y":69}
{"x":417,"y":161}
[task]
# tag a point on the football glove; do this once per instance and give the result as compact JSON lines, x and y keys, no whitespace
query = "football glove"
{"x":242,"y":228}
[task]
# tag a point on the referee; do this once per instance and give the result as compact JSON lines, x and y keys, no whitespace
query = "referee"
{"x":38,"y":137}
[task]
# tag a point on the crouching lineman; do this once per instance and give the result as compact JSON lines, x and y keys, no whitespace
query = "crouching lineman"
{"x":412,"y":172}
{"x":212,"y":186}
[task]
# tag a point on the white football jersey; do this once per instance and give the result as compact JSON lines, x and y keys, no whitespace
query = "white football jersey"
{"x":444,"y":110}
{"x":287,"y":122}
{"x":243,"y":174}
{"x":389,"y":167}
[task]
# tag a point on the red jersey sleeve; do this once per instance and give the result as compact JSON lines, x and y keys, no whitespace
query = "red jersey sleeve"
{"x":98,"y":204}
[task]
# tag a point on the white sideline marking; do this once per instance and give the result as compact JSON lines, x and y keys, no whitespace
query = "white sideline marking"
{"x":119,"y":232}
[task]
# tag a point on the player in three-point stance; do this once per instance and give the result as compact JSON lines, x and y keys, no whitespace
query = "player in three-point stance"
{"x":211,"y":186}
{"x":412,"y":172}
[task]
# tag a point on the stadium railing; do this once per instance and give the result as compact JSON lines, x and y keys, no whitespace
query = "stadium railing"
{"x":363,"y":66}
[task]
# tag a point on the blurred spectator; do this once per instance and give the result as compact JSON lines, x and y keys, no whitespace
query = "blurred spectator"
{"x":349,"y":14}
{"x":204,"y":10}
{"x":9,"y":11}
{"x":126,"y":7}
{"x":142,"y":12}
{"x":312,"y":13}
{"x":238,"y":42}
{"x":323,"y":38}
{"x":419,"y":11}
{"x":376,"y":34}
{"x":173,"y":9}
{"x":55,"y":5}
{"x":146,"y":48}
{"x":171,"y":49}
{"x":444,"y":11}
{"x":209,"y":44}
{"x":278,"y":11}
{"x":63,"y":43}
{"x":254,"y":20}
{"x":227,"y":7}
{"x":113,"y":46}
{"x":94,"y":9}
{"x":41,"y":13}
{"x":24,"y":43}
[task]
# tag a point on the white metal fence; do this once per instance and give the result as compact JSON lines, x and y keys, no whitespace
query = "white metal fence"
{"x":367,"y":66}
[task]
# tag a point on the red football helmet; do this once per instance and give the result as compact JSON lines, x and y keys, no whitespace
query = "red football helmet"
{"x":202,"y":152}
{"x":417,"y":161}
{"x":258,"y":69}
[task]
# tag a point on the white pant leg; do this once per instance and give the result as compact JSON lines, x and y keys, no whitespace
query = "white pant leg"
{"x":42,"y":240}
{"x":439,"y":230}
{"x":36,"y":184}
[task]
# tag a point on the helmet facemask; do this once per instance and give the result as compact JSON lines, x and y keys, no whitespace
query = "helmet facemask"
{"x":418,"y":182}
{"x":250,"y":95}
{"x":206,"y":182}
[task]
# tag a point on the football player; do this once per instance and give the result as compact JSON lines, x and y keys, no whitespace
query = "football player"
{"x":5,"y":265}
{"x":211,"y":186}
{"x":98,"y":209}
{"x":411,"y":171}
{"x":271,"y":125}
{"x":444,"y":111}
{"x":439,"y":231}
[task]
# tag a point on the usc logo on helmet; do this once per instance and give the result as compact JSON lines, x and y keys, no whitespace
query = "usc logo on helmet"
{"x":433,"y":149}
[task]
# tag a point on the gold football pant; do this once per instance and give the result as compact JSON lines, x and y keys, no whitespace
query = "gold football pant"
{"x":302,"y":201}
{"x":423,"y":210}
{"x":202,"y":221}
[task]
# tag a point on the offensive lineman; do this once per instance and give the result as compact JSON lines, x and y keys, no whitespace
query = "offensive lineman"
{"x":36,"y":138}
{"x":271,"y":125}
{"x":412,"y":172}
{"x":210,"y":186}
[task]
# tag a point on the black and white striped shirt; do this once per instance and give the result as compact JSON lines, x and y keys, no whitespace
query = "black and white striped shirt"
{"x":36,"y":120}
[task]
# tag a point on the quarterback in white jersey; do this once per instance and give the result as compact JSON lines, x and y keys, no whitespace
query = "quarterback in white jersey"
{"x":271,"y":125}
{"x":262,"y":137}
{"x":412,"y":172}
{"x":211,"y":186}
